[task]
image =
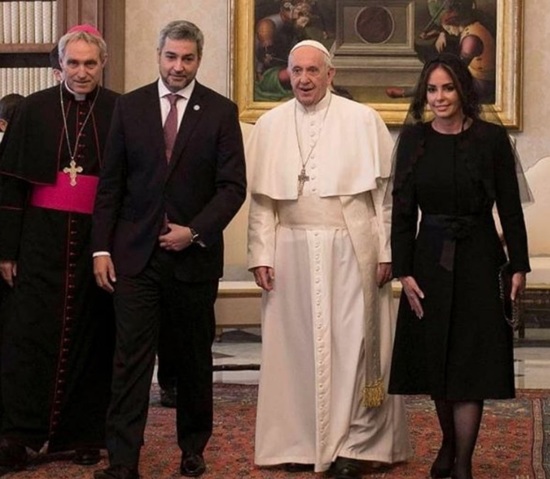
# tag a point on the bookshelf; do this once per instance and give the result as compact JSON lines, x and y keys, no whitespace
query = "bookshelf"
{"x":29,"y":30}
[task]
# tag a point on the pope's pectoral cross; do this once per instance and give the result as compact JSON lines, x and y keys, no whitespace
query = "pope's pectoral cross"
{"x":73,"y":171}
{"x":302,"y":178}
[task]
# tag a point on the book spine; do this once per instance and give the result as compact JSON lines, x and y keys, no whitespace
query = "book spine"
{"x":38,"y":26}
{"x":14,"y":18}
{"x":6,"y":20}
{"x":47,"y":22}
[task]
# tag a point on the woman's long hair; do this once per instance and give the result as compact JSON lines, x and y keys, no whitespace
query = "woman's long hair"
{"x":413,"y":129}
{"x":462,"y":80}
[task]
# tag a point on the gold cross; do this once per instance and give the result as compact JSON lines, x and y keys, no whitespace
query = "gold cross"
{"x":73,"y":171}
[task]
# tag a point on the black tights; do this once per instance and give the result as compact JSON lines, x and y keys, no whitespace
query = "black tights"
{"x":459,"y":422}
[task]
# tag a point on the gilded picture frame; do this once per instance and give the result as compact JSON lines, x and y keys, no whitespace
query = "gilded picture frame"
{"x":389,"y":56}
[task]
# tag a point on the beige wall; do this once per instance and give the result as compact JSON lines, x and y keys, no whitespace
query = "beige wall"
{"x":144,"y":18}
{"x":534,"y":141}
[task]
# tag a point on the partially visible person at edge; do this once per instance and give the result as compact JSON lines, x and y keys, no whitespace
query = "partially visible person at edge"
{"x":174,"y":177}
{"x":8,"y":104}
{"x":318,"y":245}
{"x":58,"y":339}
{"x":452,"y":339}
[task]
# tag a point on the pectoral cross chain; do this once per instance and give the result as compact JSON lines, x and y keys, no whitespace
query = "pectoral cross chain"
{"x":302,"y":178}
{"x":73,"y":171}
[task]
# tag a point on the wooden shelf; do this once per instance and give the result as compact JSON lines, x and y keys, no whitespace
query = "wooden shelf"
{"x":107,"y":15}
{"x":17,"y":48}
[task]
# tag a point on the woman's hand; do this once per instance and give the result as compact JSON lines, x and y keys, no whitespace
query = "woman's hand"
{"x":518,"y":285}
{"x":414,"y":295}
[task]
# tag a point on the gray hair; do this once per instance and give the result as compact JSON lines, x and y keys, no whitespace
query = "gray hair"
{"x":182,"y":30}
{"x":87,"y":37}
{"x":328,"y":62}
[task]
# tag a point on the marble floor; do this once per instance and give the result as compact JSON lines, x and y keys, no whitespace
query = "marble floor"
{"x":532,"y":360}
{"x":237,"y":358}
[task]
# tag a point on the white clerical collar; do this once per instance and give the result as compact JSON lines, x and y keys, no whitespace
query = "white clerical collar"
{"x":319,"y":106}
{"x":184,"y":92}
{"x":77,"y":96}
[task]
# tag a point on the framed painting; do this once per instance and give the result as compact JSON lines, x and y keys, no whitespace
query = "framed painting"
{"x":378,"y":48}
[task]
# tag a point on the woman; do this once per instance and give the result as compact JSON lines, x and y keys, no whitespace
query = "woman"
{"x":452,"y":339}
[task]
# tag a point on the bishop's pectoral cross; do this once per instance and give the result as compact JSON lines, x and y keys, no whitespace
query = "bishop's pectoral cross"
{"x":73,"y":171}
{"x":302,"y":178}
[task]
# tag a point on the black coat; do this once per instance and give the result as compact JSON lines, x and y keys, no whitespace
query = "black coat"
{"x":462,"y":348}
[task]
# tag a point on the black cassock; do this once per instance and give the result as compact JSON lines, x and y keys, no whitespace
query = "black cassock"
{"x":58,"y":337}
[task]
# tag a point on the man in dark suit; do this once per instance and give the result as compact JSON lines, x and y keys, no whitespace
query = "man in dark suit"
{"x":158,"y":245}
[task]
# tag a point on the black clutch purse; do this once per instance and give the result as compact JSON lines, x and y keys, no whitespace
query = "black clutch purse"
{"x":510,"y":308}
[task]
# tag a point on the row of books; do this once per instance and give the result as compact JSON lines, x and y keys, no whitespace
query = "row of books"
{"x":28,"y":22}
{"x":25,"y":80}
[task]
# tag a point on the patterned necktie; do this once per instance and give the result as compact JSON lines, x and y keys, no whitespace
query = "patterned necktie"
{"x":171,"y":125}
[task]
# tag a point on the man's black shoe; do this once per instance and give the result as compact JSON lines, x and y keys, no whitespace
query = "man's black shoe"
{"x":117,"y":472}
{"x":346,"y":468}
{"x":168,"y":396}
{"x":86,"y":457}
{"x":192,"y":465}
{"x":13,"y":456}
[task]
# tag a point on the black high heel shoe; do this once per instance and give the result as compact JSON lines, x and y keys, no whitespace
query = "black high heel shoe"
{"x":456,"y":476}
{"x":442,"y":467}
{"x":437,"y":472}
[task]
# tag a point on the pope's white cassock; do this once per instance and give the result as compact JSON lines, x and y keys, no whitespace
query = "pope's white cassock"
{"x":327,"y":329}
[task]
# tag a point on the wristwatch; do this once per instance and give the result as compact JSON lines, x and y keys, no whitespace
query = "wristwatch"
{"x":194,"y":236}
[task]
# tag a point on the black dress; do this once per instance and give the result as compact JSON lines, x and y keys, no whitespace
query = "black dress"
{"x":462,"y":348}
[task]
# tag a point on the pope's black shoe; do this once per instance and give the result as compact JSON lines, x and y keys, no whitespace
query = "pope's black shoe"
{"x":117,"y":472}
{"x":13,"y":456}
{"x":192,"y":465}
{"x":346,"y":468}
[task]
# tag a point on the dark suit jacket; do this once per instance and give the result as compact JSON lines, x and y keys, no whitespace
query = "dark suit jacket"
{"x":203,"y":186}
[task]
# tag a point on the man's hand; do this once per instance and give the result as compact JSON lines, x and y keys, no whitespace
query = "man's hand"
{"x":8,"y":270}
{"x":414,"y":295}
{"x":104,"y":272}
{"x":177,"y":237}
{"x":383,"y":274}
{"x":264,"y":276}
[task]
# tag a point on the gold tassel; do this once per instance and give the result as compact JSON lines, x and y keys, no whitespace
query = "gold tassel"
{"x":373,"y":394}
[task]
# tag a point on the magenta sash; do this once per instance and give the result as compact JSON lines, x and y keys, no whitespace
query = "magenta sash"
{"x":64,"y":197}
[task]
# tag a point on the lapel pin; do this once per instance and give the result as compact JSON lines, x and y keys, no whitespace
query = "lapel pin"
{"x":196,"y":108}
